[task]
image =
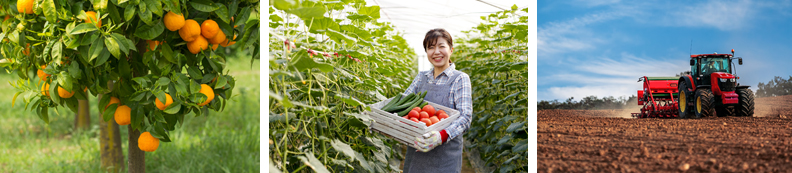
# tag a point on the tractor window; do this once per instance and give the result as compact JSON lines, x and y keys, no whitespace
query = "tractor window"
{"x":694,"y":69}
{"x":710,"y":65}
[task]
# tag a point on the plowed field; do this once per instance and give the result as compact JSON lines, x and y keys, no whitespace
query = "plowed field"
{"x":603,"y":141}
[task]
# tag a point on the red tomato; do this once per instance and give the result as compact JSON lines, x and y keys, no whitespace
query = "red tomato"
{"x":440,"y":111}
{"x":442,"y":116}
{"x":414,"y":119}
{"x":427,"y":121}
{"x":417,"y":109}
{"x":406,"y":117}
{"x":413,"y":114}
{"x":429,"y":109}
{"x":423,"y":114}
{"x":434,"y":120}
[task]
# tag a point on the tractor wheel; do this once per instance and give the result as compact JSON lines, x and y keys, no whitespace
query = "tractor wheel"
{"x":724,"y":110}
{"x":704,"y":103}
{"x":684,"y":109}
{"x":745,"y":105}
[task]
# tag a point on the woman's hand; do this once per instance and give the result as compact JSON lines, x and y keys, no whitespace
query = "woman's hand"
{"x":428,"y":141}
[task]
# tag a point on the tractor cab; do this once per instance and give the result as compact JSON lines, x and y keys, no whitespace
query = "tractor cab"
{"x":703,"y":66}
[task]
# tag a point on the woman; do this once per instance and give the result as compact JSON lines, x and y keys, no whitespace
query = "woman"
{"x":441,"y":151}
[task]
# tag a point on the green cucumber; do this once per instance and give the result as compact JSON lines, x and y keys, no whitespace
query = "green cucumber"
{"x":409,"y":108}
{"x":402,"y":102}
{"x":400,"y":107}
{"x":395,"y":99}
{"x":423,"y":104}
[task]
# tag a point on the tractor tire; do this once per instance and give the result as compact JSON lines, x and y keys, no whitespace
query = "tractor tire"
{"x":705,"y":103}
{"x":683,"y":100}
{"x":724,"y":110}
{"x":745,"y":105}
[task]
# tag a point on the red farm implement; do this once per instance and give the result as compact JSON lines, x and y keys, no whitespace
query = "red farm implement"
{"x":710,"y":89}
{"x":658,"y":97}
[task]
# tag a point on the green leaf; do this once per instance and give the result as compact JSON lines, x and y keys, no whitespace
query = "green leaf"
{"x":96,"y":49}
{"x":50,"y":12}
{"x":520,"y":66}
{"x":204,"y":5}
{"x":284,"y":100}
{"x":284,"y":5}
{"x":57,"y":50}
{"x":123,"y":43}
{"x":348,"y":100}
{"x":372,"y":11}
{"x":129,"y":13}
{"x":148,"y":32}
{"x":103,"y":56}
{"x":146,"y":16}
{"x":173,"y":108}
{"x":304,"y":62}
{"x":504,"y":140}
{"x":163,"y":81}
{"x":168,"y":53}
{"x":310,"y":160}
{"x":306,"y":13}
{"x":112,"y":46}
{"x":521,"y":146}
{"x":65,"y":80}
{"x":514,"y":7}
{"x":74,"y":70}
{"x":321,"y":24}
{"x":83,"y":28}
{"x":155,"y":6}
{"x":222,"y":12}
{"x":109,"y":112}
{"x":340,"y":37}
{"x":343,"y":148}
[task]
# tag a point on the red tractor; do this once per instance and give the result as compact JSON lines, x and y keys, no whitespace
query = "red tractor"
{"x":711,"y":89}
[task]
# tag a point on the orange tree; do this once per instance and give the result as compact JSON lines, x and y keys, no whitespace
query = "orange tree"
{"x":495,"y":54}
{"x":152,"y":50}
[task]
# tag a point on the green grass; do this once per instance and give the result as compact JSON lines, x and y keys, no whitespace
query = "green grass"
{"x":227,"y":141}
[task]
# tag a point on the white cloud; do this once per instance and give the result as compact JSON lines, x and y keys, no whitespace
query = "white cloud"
{"x":593,"y":3}
{"x":604,"y":76}
{"x":573,"y":35}
{"x":723,"y":15}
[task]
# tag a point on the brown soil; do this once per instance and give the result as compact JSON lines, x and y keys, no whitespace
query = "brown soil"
{"x":595,"y":141}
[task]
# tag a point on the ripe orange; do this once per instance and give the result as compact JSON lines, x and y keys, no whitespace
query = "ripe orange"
{"x":27,"y":49}
{"x":92,"y":16}
{"x":45,"y":89}
{"x":6,"y":18}
{"x":209,"y":28}
{"x":25,"y":6}
{"x":197,"y":45}
{"x":168,"y":101}
{"x":152,"y":44}
{"x":190,"y":31}
{"x":64,"y":94}
{"x":206,"y":90}
{"x":148,"y":143}
{"x":122,"y":115}
{"x":173,"y":21}
{"x":43,"y":76}
{"x":228,"y":42}
{"x":214,"y":46}
{"x":113,"y":100}
{"x":219,"y":38}
{"x":429,"y":109}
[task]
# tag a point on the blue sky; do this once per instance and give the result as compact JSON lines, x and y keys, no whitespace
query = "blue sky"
{"x":602,"y":47}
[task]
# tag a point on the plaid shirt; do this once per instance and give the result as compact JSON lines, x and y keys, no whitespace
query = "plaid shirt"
{"x":460,"y":95}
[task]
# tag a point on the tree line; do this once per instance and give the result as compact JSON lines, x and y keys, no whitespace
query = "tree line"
{"x":589,"y":103}
{"x":778,"y":86}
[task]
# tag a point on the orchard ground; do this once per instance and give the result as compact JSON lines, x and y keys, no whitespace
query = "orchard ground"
{"x":226,"y":141}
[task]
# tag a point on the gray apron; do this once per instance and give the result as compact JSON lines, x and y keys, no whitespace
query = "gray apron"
{"x":446,"y":157}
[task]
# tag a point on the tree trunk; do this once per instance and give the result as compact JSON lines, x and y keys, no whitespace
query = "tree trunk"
{"x":137,"y":157}
{"x":82,"y":120}
{"x":110,"y":142}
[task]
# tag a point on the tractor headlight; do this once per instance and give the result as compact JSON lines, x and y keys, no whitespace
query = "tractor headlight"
{"x":722,"y":79}
{"x":733,"y":80}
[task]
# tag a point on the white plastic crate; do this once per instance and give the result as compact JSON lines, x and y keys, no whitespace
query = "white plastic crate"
{"x":405,"y":130}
